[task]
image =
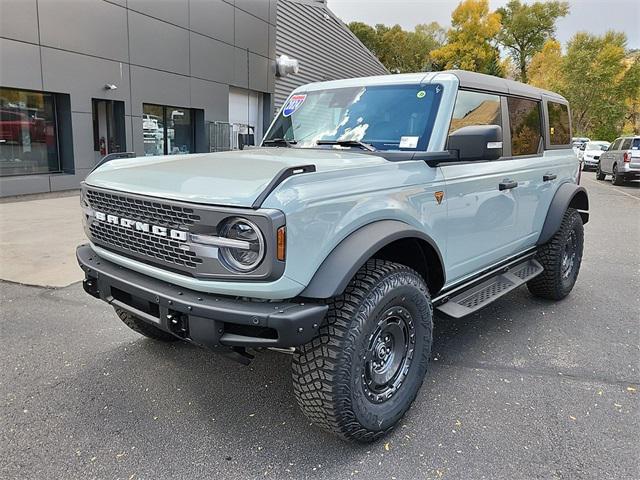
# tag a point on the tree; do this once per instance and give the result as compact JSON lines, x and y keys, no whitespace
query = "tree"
{"x":545,"y":68}
{"x":470,"y":40}
{"x":400,"y":50}
{"x":526,"y":27}
{"x":600,"y":90}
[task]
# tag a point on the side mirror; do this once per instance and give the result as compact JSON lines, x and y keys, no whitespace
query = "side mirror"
{"x":477,"y":142}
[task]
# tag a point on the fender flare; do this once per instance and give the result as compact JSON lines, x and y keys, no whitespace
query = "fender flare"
{"x":567,"y":195}
{"x":340,"y":266}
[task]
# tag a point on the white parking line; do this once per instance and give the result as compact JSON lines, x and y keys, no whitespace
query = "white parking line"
{"x":612,"y":188}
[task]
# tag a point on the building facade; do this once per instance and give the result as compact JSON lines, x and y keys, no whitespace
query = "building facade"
{"x":81,"y":79}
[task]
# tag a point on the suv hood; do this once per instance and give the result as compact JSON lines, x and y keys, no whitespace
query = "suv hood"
{"x":234,"y":178}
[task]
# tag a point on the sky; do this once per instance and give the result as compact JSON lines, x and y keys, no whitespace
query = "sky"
{"x":594,"y":16}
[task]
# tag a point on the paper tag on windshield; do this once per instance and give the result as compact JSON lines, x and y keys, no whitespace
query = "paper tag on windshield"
{"x":409,"y":142}
{"x":294,"y":103}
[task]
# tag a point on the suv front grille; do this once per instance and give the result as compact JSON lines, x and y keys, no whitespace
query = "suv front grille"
{"x":144,"y":210}
{"x":139,"y":243}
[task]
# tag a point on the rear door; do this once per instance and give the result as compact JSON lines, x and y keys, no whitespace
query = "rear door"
{"x":607,"y":158}
{"x":635,"y":154}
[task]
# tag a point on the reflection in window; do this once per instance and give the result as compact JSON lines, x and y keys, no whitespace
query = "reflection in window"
{"x":473,"y":108}
{"x":524,"y":118}
{"x":167,"y":130}
{"x":559,"y":129}
{"x":28,"y":140}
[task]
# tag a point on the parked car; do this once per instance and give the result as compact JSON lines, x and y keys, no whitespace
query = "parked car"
{"x":371,"y":203}
{"x":621,"y":160}
{"x":577,"y":142}
{"x":589,"y":153}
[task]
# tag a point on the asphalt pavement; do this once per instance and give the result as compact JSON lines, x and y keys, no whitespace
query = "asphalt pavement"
{"x":524,"y":389}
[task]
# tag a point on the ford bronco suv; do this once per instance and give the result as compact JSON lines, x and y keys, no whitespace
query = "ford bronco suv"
{"x":370,"y":203}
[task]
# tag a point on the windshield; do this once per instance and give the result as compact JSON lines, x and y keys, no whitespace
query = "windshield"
{"x":597,"y":146}
{"x":389,"y":117}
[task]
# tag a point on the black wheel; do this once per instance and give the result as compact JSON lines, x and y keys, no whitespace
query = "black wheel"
{"x":616,"y":179}
{"x":363,"y":371}
{"x":561,"y":258}
{"x":600,"y":175}
{"x":144,"y":328}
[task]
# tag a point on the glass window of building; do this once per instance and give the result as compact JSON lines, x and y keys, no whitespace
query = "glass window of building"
{"x":525,"y":123}
{"x":108,"y":126}
{"x":167,"y":130}
{"x":28,"y":138}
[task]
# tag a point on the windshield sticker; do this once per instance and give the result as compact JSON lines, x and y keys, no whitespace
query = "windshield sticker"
{"x":409,"y":142}
{"x":421,"y":94}
{"x":293,"y":104}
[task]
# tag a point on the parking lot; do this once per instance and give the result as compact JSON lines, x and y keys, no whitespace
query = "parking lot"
{"x":523,"y":389}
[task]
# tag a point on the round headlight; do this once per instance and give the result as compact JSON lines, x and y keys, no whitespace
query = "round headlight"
{"x":249,"y":252}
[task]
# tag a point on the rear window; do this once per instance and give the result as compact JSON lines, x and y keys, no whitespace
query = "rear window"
{"x":526,"y":130}
{"x":559,"y":128}
{"x":636,"y":144}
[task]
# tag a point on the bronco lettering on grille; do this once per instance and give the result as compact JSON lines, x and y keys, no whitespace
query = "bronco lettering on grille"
{"x":178,"y":235}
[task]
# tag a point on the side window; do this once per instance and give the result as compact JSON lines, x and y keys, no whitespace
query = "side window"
{"x":559,"y":130}
{"x":616,"y":145}
{"x":626,"y":144}
{"x":526,"y":130}
{"x":473,"y":108}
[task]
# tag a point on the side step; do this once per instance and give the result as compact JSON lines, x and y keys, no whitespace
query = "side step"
{"x":479,"y":295}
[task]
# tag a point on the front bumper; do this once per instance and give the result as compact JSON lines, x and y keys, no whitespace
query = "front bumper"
{"x":202,"y":318}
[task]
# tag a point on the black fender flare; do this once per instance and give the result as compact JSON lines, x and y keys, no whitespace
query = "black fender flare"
{"x":567,"y":195}
{"x":340,"y":266}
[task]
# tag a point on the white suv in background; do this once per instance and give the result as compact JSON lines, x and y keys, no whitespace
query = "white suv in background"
{"x":621,"y":160}
{"x":589,"y":153}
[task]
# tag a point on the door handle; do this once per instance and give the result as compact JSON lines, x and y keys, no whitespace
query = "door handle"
{"x":507,"y":185}
{"x":547,"y":177}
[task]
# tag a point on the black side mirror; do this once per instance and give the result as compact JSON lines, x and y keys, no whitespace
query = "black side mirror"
{"x":477,"y":142}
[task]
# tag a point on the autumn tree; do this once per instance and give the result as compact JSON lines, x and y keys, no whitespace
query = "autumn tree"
{"x":470,"y":40}
{"x":526,"y":27}
{"x":545,"y":68}
{"x":400,"y":50}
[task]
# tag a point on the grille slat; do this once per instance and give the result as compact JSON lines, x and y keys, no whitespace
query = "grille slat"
{"x":137,"y":242}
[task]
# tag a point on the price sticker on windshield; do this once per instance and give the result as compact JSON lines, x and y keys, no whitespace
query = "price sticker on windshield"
{"x":294,"y":103}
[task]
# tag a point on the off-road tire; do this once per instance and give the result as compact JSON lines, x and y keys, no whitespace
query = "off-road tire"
{"x":552,"y":284}
{"x":329,"y":371}
{"x":144,"y":328}
{"x":600,"y":175}
{"x":616,"y":178}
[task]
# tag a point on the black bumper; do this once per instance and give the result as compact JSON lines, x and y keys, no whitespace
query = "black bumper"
{"x":204,"y":319}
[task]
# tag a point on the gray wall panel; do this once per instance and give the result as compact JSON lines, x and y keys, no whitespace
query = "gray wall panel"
{"x":211,"y":59}
{"x":258,"y":71}
{"x":213,"y":18}
{"x":240,"y":68}
{"x":85,"y":78}
{"x":138,"y":141}
{"x":174,"y":11}
{"x":153,"y":86}
{"x":19,"y":20}
{"x":24,"y":185}
{"x":251,"y":33}
{"x":93,"y":27}
{"x":212,"y":97}
{"x":259,"y":8}
{"x":67,"y":181}
{"x":158,"y":45}
{"x":20,"y":65}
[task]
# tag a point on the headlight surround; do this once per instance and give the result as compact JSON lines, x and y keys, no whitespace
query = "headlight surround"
{"x":243,"y":230}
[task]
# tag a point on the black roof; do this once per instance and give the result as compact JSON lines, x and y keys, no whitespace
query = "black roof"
{"x":480,"y":81}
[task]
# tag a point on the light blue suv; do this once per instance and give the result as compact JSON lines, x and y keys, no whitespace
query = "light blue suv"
{"x":370,"y":203}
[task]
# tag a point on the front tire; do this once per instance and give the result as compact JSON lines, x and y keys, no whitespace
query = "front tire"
{"x":144,"y":328}
{"x":363,"y":371}
{"x":561,"y":258}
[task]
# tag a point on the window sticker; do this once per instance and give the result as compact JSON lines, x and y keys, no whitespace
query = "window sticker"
{"x":421,"y":94}
{"x":409,"y":142}
{"x":293,"y":104}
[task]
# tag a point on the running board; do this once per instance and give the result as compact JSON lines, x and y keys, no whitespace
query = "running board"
{"x":482,"y":294}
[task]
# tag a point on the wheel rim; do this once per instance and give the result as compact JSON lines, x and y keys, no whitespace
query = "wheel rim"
{"x":569,"y":255}
{"x":389,"y":354}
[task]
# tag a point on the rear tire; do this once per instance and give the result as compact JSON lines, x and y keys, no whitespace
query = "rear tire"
{"x":600,"y":175}
{"x":144,"y":328}
{"x":363,"y":371}
{"x":616,"y":178}
{"x":561,"y":258}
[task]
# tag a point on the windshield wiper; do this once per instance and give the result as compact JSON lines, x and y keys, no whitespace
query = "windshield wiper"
{"x":279,"y":141}
{"x":347,"y":143}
